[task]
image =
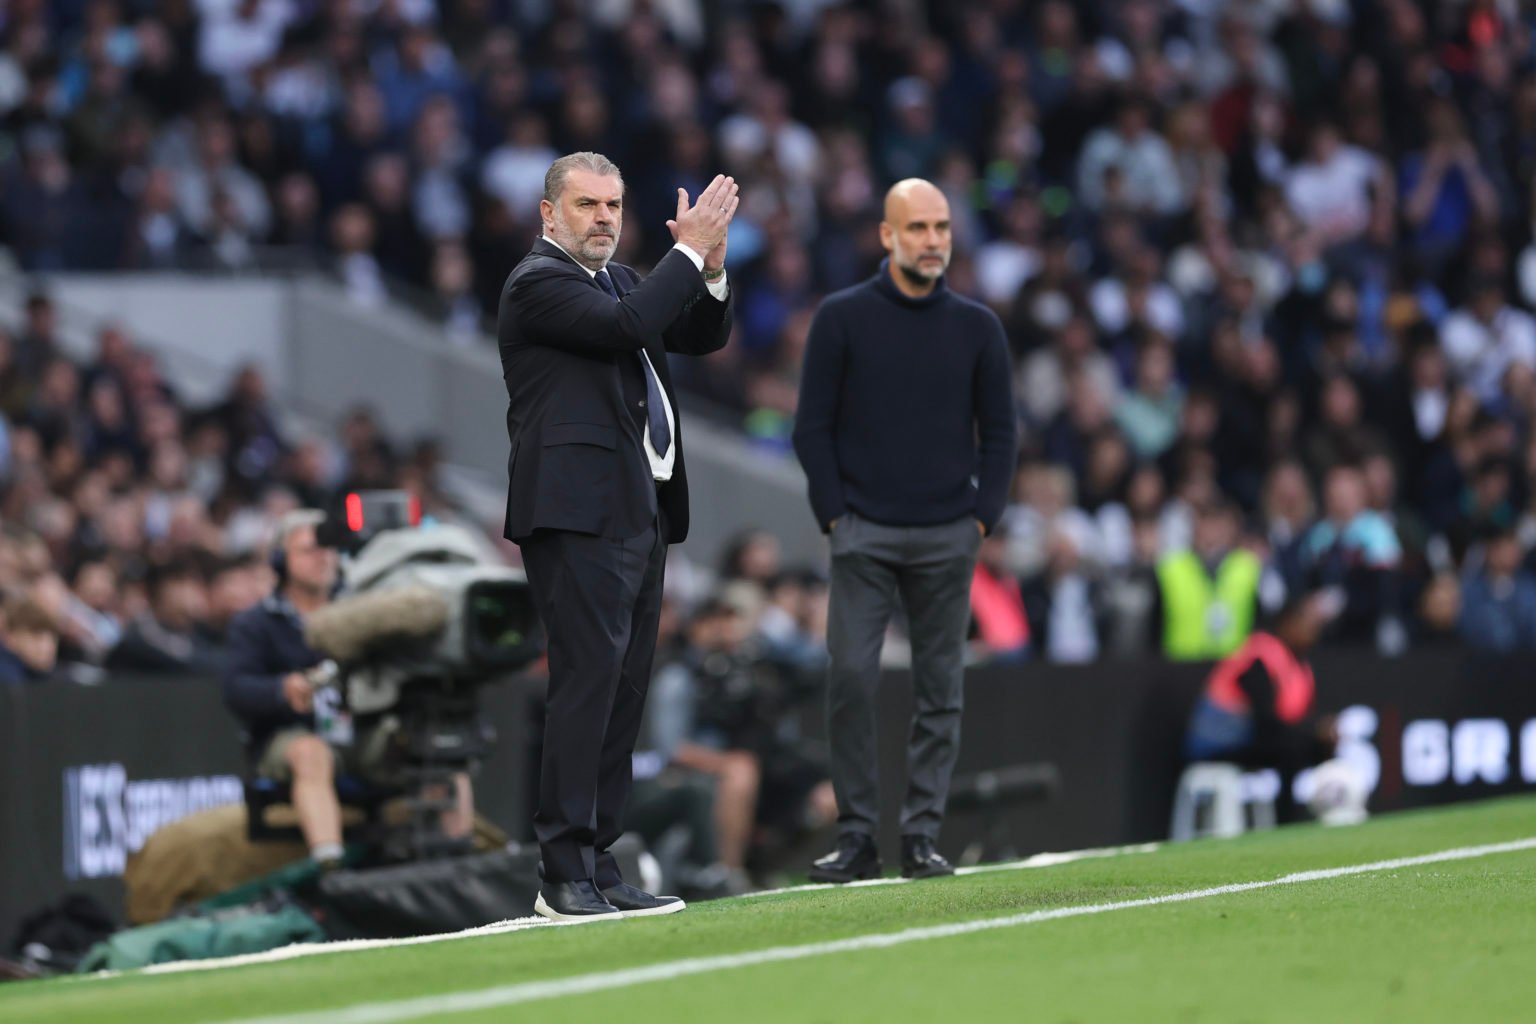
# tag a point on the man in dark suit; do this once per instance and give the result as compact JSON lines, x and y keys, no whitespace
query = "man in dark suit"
{"x":597,"y":491}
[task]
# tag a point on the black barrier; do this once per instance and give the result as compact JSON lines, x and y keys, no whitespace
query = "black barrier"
{"x":88,"y":770}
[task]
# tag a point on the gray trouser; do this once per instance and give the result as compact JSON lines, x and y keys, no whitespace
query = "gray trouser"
{"x":930,"y":568}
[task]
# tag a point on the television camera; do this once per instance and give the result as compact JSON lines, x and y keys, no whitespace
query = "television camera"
{"x":423,"y":620}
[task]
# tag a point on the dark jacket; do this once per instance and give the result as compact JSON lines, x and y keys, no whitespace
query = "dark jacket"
{"x":1499,"y":617}
{"x":14,"y":671}
{"x":569,"y":357}
{"x":266,"y":642}
{"x":906,"y":408}
{"x":148,"y":646}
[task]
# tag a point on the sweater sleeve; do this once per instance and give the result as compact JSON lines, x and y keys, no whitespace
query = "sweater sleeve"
{"x":254,"y":694}
{"x":815,"y":419}
{"x":997,"y":426}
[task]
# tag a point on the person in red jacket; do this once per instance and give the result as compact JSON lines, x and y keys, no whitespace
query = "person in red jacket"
{"x":1257,"y":708}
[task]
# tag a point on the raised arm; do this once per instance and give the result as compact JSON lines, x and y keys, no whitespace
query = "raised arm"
{"x":557,"y":308}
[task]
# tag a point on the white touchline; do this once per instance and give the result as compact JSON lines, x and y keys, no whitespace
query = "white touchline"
{"x":519,"y":924}
{"x":584,"y":984}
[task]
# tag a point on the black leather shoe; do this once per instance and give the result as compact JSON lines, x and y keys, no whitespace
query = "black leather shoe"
{"x":856,"y":858}
{"x":574,"y":901}
{"x":919,"y":859}
{"x":632,"y":902}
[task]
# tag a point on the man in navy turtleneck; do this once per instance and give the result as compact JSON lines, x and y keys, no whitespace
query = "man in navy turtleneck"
{"x":907,"y":434}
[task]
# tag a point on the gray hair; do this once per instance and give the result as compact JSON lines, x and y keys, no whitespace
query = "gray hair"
{"x":554,"y":178}
{"x":294,"y":521}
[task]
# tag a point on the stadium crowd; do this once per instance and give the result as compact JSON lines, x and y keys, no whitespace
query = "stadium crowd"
{"x":1266,"y":268}
{"x":133,"y":526}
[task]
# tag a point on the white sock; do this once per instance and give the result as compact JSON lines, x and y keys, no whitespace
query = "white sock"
{"x":326,"y":851}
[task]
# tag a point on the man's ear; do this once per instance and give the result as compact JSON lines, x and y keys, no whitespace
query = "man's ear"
{"x":887,"y":236}
{"x":546,"y":211}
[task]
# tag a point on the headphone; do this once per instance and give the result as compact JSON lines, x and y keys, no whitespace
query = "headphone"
{"x":277,"y":556}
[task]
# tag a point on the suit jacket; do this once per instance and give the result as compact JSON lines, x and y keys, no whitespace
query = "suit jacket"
{"x":578,"y":459}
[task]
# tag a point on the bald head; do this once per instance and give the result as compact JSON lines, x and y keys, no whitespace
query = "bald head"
{"x":915,"y":232}
{"x":913,"y":193}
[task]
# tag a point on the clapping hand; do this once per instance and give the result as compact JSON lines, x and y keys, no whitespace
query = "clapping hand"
{"x":702,"y":227}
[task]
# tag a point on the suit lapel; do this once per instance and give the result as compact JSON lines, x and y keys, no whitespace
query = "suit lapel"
{"x":623,"y":279}
{"x":544,"y":248}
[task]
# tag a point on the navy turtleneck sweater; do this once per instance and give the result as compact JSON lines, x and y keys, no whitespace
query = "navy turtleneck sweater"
{"x":906,"y":407}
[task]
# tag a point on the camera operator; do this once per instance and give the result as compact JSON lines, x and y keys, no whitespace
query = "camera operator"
{"x":276,"y":684}
{"x":722,"y":709}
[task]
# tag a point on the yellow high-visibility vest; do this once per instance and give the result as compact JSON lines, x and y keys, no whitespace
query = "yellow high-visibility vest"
{"x":1205,"y":619}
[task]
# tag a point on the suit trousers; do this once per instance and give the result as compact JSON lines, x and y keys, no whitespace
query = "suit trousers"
{"x":929,"y":569}
{"x":600,"y":600}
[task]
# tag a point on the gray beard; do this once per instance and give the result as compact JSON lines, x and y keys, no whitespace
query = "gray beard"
{"x":914,"y":276}
{"x":578,"y":248}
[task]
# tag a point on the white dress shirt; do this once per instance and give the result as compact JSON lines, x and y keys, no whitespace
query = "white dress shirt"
{"x":661,"y":465}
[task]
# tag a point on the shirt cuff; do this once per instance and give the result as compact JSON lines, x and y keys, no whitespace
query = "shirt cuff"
{"x":720,"y":289}
{"x":698,"y":261}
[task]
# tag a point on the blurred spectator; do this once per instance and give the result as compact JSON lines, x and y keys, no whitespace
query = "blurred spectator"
{"x":1498,"y":600}
{"x":1045,"y":374}
{"x":1445,"y":192}
{"x":752,"y":555}
{"x":1130,"y":597}
{"x":1044,"y":501}
{"x":1129,"y":166}
{"x":514,"y":171}
{"x":414,"y":71}
{"x":29,"y":643}
{"x":1136,"y":300}
{"x":1487,"y":336}
{"x":94,"y":606}
{"x":37,"y":345}
{"x":1149,"y":414}
{"x":1209,"y":593}
{"x":1338,"y":191}
{"x":1439,"y":617}
{"x":1287,"y":510}
{"x":238,"y":35}
{"x":234,"y":584}
{"x":793,"y":620}
{"x":215,"y":190}
{"x":1001,"y":624}
{"x":453,"y":279}
{"x":1354,"y":553}
{"x":352,"y":236}
{"x":1063,"y":605}
{"x":168,"y":636}
{"x":157,"y":238}
{"x":1342,"y":434}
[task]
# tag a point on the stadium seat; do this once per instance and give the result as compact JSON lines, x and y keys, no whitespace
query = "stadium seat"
{"x":1214,"y":799}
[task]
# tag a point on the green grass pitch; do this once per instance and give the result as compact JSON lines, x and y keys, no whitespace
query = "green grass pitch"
{"x":1450,"y":940}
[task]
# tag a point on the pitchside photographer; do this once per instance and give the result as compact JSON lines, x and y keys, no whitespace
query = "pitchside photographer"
{"x":725,"y":707}
{"x":275,"y":683}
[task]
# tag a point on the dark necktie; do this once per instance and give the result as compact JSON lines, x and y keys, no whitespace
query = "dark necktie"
{"x":655,"y":411}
